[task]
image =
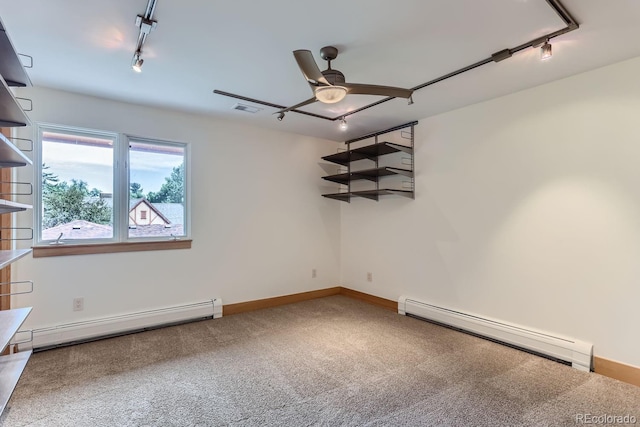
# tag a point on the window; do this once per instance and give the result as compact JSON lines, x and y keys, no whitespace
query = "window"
{"x":156,"y":187}
{"x":84,"y":196}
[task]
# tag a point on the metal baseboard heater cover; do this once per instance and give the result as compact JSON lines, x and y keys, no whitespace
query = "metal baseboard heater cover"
{"x":575,"y":352}
{"x":116,"y":325}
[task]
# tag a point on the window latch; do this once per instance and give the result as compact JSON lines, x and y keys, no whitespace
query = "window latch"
{"x":58,"y":241}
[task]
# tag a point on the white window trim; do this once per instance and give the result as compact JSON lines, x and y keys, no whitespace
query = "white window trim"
{"x":120,"y":186}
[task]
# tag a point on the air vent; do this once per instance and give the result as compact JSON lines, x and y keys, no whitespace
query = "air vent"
{"x":246,"y":108}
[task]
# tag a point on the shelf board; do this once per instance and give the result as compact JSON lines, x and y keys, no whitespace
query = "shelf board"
{"x":7,"y":206}
{"x":10,"y":155}
{"x":341,"y":178}
{"x":11,"y":68}
{"x":11,"y":367}
{"x":10,"y":322}
{"x":343,"y":197}
{"x":376,"y":150}
{"x":369,"y":194}
{"x":344,"y":157}
{"x":368,"y":174}
{"x":367,"y":152}
{"x":9,"y":256}
{"x":375,"y":194}
{"x":11,"y":113}
{"x":374,"y":174}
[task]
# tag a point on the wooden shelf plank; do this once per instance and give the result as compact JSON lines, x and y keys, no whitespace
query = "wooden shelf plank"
{"x":10,"y":155}
{"x":10,"y":322}
{"x":7,"y":206}
{"x":9,"y":256}
{"x":11,"y":367}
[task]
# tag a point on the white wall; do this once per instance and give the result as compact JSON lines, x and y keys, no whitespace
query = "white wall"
{"x":527,"y":210}
{"x":259,"y":224}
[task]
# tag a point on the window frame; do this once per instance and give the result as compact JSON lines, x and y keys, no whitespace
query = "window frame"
{"x":121,"y":186}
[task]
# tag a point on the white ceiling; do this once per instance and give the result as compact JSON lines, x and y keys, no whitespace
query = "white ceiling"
{"x":244,"y":47}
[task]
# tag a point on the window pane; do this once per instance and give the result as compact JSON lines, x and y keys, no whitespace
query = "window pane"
{"x":156,"y":189}
{"x":77,"y":186}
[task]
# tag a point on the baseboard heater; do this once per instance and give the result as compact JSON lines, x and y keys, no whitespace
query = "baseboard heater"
{"x":90,"y":330}
{"x":574,"y":352}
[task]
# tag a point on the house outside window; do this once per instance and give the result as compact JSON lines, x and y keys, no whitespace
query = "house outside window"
{"x":84,"y":196}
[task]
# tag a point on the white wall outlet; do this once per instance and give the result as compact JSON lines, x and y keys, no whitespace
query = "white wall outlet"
{"x":314,"y":273}
{"x":369,"y":277}
{"x":78,"y":304}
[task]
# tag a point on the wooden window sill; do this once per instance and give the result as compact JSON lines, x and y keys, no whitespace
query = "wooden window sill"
{"x":108,"y":248}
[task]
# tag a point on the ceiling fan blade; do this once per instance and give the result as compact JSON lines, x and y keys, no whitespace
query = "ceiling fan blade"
{"x":309,"y":67}
{"x":302,"y":104}
{"x":363,"y":89}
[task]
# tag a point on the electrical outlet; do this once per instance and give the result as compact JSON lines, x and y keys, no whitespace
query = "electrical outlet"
{"x":314,"y":273}
{"x":78,"y":304}
{"x":369,"y":277}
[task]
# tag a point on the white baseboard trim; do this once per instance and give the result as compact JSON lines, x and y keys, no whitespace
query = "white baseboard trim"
{"x":116,"y":325}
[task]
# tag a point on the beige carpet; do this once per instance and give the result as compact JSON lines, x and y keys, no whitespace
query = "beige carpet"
{"x":332,"y":361}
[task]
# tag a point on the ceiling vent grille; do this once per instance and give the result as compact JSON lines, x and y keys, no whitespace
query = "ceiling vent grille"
{"x":246,"y":108}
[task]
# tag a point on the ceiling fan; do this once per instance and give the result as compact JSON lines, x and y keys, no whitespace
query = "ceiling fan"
{"x":329,"y":86}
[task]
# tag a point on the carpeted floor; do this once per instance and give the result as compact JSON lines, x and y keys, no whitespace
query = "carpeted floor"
{"x":332,"y":361}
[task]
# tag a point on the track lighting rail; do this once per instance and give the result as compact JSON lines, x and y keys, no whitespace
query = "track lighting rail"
{"x":146,"y":24}
{"x":556,"y":5}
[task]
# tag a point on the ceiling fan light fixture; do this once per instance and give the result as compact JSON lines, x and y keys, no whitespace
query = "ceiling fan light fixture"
{"x":545,"y":51}
{"x":330,"y":94}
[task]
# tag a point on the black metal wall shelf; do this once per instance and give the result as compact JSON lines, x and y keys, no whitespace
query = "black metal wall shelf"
{"x":375,"y":174}
{"x":368,"y":152}
{"x":11,"y":255}
{"x":369,"y":194}
{"x":11,"y":368}
{"x":11,"y":113}
{"x":343,"y":158}
{"x":11,"y":68}
{"x":372,"y":152}
{"x":368,"y":174}
{"x":7,"y":206}
{"x":381,"y":149}
{"x":10,"y":155}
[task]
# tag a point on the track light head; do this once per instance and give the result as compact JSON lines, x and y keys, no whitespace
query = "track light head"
{"x":137,"y":62}
{"x":410,"y":100}
{"x":343,"y":124}
{"x":280,"y":116}
{"x":545,"y":51}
